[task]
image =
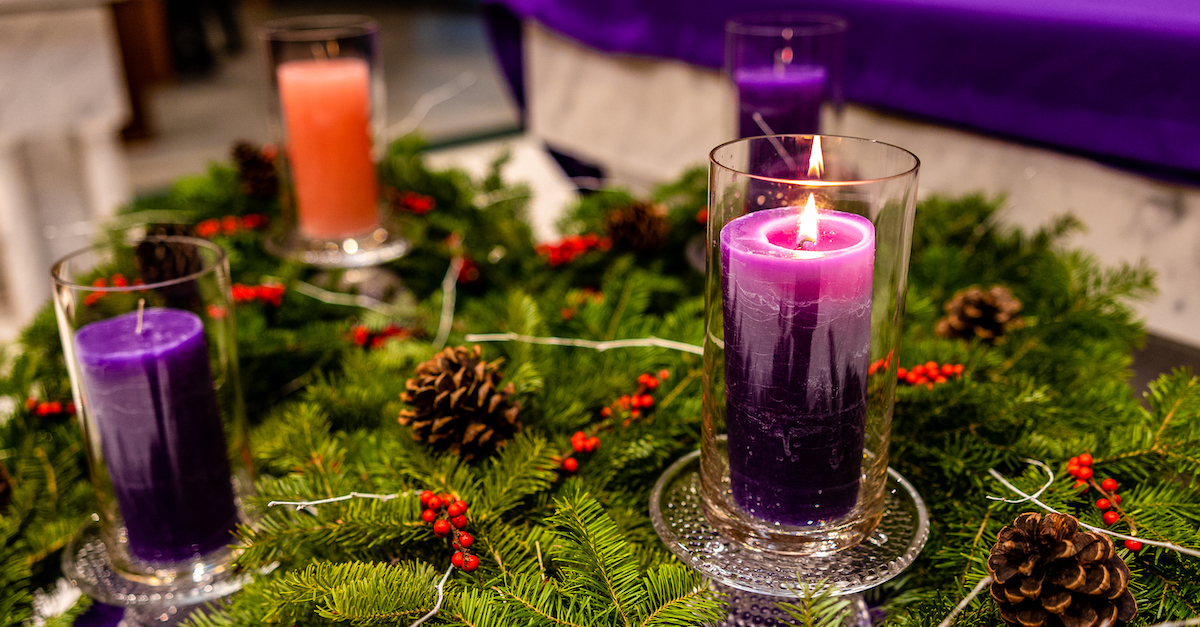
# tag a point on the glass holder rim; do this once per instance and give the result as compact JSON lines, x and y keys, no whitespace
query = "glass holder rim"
{"x":916,"y":164}
{"x":219,"y":258}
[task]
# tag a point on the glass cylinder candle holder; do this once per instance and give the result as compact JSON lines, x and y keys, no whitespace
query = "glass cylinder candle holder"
{"x":326,"y":116}
{"x":784,"y":67}
{"x":148,"y":339}
{"x":808,"y":246}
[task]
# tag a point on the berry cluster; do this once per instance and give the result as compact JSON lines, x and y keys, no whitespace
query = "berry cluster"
{"x":448,"y":515}
{"x":581,"y":443}
{"x":572,"y":246}
{"x":929,"y":374}
{"x":880,"y":364}
{"x":409,"y":200}
{"x":117,"y":280}
{"x":363,"y":336}
{"x":631,"y":405}
{"x":230,"y":225}
{"x":266,"y":293}
{"x":49,"y":408}
{"x":580,"y":299}
{"x":1109,"y":502}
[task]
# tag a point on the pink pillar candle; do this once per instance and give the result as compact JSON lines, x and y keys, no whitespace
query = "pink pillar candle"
{"x":797,"y":347}
{"x":327,"y":112}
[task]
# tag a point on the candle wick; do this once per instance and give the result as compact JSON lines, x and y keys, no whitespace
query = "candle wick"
{"x":141,"y":311}
{"x":762,"y":124}
{"x":802,"y":240}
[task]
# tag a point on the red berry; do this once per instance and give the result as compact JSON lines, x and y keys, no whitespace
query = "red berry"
{"x":441,"y":528}
{"x":465,"y":540}
{"x":606,"y":412}
{"x":579,"y":445}
{"x":1109,"y":484}
{"x":912,"y":377}
{"x":578,"y":435}
{"x":570,"y":464}
{"x":31,"y":403}
{"x":1074,"y":461}
{"x":592,"y":443}
{"x":470,"y":563}
{"x":43,"y":409}
{"x":1111,"y":517}
{"x":434,"y":503}
{"x":1085,"y":472}
{"x":462,"y":505}
{"x":457,"y":559}
{"x":459,"y":522}
{"x":1103,"y":504}
{"x":1080,"y":483}
{"x":1085,"y":459}
{"x":454,"y":510}
{"x":931,"y":367}
{"x":647,"y":400}
{"x":947,"y":369}
{"x":940,"y":379}
{"x":651,"y":383}
{"x":635,"y":413}
{"x":663,"y":374}
{"x":425,"y":496}
{"x":428,"y":515}
{"x":958,"y":369}
{"x":901,"y":373}
{"x":918,"y":370}
{"x":1117,"y":499}
{"x":1073,"y":470}
{"x":1133,"y":545}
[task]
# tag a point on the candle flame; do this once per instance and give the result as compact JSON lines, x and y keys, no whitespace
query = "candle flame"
{"x":816,"y":164}
{"x":807,"y":230}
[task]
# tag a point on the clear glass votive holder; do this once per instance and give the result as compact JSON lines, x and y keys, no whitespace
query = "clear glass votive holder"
{"x":326,"y":115}
{"x":784,"y":67}
{"x":148,"y":338}
{"x":808,"y":247}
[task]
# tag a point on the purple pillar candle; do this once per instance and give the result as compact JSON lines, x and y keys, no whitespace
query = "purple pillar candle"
{"x":797,"y":348}
{"x":787,"y":97}
{"x":150,"y":394}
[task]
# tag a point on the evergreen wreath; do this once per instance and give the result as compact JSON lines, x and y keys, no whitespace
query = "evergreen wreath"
{"x":578,"y":549}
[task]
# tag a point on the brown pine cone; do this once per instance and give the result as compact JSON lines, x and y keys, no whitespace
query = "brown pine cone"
{"x":1049,"y":573}
{"x":984,"y":314}
{"x":639,"y":227}
{"x":459,"y":405}
{"x":256,"y":171}
{"x":161,"y":259}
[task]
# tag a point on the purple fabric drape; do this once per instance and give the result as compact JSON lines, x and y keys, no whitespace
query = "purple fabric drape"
{"x":1113,"y":78}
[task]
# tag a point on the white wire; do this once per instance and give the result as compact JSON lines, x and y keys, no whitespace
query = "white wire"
{"x":599,"y":346}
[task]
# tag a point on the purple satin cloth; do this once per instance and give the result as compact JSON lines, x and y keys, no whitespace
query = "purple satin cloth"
{"x":1113,"y":78}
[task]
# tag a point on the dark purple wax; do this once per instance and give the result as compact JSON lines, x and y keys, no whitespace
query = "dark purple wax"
{"x":797,"y":348}
{"x":151,"y":397}
{"x":788,"y":99}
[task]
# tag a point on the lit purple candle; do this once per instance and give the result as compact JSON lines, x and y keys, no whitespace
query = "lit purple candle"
{"x":150,"y":393}
{"x":797,"y":348}
{"x":788,"y":97}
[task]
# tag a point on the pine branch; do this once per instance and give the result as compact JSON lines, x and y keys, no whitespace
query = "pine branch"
{"x":678,"y":595}
{"x":818,"y":605}
{"x":596,"y":560}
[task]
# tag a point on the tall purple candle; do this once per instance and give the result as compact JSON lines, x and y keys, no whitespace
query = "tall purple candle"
{"x":787,"y":97}
{"x":152,"y":399}
{"x":797,"y":348}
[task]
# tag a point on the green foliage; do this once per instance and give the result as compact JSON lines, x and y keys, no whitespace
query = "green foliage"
{"x":559,"y":551}
{"x":817,"y":605}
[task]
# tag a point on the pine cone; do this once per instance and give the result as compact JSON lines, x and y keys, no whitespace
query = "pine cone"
{"x":1049,"y":573}
{"x":256,"y":171}
{"x":639,"y":227}
{"x":459,"y":405}
{"x":975,"y":313}
{"x":164,"y":260}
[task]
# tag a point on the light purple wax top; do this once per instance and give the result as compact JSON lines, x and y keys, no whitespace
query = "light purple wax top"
{"x":797,"y":346}
{"x":150,"y":394}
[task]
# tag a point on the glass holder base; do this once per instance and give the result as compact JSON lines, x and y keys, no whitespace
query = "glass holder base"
{"x":369,"y":249}
{"x":678,"y":517}
{"x":86,"y":564}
